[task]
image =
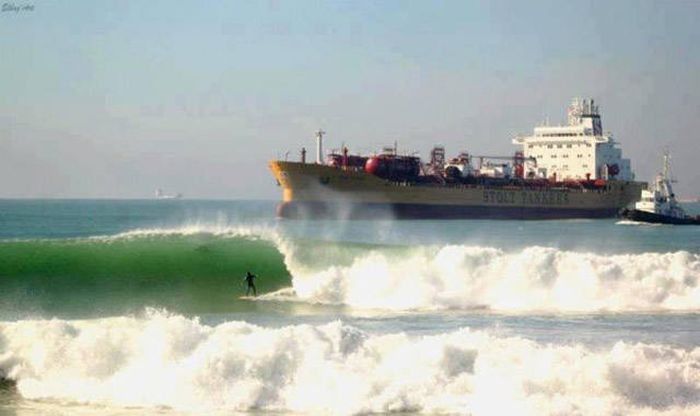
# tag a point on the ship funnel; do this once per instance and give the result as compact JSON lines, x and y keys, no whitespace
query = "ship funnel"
{"x":319,"y":146}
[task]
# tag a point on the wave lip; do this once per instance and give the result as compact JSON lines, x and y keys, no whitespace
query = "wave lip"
{"x":199,"y":228}
{"x":168,"y":360}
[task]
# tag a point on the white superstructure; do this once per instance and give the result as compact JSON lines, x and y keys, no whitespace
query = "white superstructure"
{"x":579,"y":150}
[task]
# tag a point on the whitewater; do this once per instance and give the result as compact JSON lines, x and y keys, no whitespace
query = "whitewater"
{"x":120,"y":307}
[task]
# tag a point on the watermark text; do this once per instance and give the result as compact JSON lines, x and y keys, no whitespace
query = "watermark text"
{"x":16,"y":8}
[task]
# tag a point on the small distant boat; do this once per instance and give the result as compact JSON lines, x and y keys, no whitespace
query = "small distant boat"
{"x":658,"y":204}
{"x":162,"y":195}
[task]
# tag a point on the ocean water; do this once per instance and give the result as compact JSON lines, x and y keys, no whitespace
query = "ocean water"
{"x":135,"y":307}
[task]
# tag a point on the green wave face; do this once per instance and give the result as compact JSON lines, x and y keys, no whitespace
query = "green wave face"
{"x":187,"y":273}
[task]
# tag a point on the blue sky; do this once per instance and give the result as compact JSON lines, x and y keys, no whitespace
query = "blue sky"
{"x":115,"y":99}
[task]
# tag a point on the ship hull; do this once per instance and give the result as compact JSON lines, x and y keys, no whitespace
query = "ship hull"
{"x":650,"y":217}
{"x":313,"y":191}
{"x":309,"y":210}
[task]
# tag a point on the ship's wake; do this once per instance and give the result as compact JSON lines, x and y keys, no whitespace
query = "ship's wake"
{"x":163,"y":360}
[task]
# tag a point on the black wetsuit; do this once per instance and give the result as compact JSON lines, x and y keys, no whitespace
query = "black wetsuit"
{"x":250,"y":280}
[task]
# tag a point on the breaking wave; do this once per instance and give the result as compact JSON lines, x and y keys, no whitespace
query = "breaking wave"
{"x":168,"y":360}
{"x":193,"y":269}
{"x":199,"y":269}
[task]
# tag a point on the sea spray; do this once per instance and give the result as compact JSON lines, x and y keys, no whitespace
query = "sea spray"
{"x":163,"y":359}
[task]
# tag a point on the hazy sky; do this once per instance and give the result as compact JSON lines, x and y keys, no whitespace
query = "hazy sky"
{"x":115,"y":99}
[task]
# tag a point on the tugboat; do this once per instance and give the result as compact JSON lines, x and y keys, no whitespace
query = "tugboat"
{"x":658,"y":204}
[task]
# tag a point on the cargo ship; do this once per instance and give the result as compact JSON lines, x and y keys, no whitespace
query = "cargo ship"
{"x":565,"y":171}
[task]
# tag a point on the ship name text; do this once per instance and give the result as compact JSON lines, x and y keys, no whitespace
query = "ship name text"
{"x":526,"y":197}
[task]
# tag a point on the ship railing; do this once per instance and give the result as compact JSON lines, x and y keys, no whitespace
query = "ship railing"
{"x":489,"y":187}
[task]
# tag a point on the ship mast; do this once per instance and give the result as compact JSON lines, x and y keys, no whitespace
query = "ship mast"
{"x":667,"y":165}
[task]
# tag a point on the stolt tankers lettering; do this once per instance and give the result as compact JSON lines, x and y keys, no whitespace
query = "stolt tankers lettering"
{"x":566,"y":171}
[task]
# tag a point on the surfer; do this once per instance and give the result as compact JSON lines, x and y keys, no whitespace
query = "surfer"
{"x":250,"y":280}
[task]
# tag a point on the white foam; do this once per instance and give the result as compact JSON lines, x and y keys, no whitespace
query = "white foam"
{"x":534,"y":278}
{"x":632,"y":222}
{"x":172,"y":361}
